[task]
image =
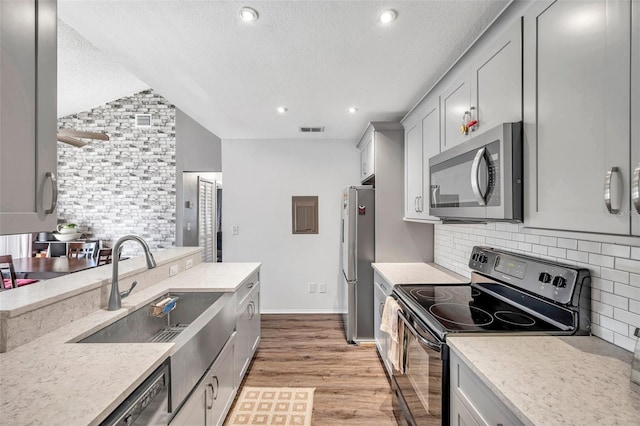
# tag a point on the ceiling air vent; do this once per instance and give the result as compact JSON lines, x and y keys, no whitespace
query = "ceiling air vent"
{"x":143,"y":120}
{"x":312,"y":129}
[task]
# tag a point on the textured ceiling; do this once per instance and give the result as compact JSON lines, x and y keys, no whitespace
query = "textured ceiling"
{"x":87,"y":77}
{"x":317,"y":58}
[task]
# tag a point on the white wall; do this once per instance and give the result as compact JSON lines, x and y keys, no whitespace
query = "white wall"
{"x":260,"y":177}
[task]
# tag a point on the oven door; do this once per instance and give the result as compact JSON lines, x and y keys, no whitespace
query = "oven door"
{"x":422,"y":389}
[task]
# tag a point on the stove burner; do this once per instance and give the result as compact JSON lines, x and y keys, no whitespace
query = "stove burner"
{"x":515,"y":318}
{"x":457,"y":313}
{"x":433,"y":294}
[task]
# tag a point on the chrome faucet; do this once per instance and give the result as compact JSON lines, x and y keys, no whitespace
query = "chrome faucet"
{"x":115,"y":299}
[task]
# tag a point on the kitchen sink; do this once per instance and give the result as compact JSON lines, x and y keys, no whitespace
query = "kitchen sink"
{"x":141,"y":326}
{"x":198,"y":326}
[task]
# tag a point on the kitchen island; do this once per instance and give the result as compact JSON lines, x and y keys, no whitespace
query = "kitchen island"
{"x":51,"y":380}
{"x":543,"y":380}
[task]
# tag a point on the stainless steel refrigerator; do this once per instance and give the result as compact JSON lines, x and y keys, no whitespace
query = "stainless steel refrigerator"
{"x":358,"y":252}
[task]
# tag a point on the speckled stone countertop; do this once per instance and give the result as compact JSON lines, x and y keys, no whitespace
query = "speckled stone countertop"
{"x":51,"y":381}
{"x":546,"y":380}
{"x":417,"y":273}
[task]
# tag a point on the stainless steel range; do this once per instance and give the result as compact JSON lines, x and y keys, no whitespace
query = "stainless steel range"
{"x":508,"y":293}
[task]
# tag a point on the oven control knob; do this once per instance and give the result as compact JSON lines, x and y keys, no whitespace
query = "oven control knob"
{"x":128,"y":419}
{"x":483,"y":259}
{"x":475,"y":257}
{"x":560,"y":281}
{"x":544,"y":277}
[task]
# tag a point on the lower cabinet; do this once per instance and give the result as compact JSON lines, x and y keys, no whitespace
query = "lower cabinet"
{"x":472,"y":402}
{"x":211,"y":400}
{"x":381,"y":291}
{"x":248,"y":327}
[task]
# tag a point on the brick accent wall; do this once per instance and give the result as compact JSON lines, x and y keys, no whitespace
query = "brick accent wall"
{"x":615,"y":268}
{"x":124,"y":185}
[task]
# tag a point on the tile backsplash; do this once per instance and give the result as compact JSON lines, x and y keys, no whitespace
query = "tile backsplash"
{"x":615,"y":268}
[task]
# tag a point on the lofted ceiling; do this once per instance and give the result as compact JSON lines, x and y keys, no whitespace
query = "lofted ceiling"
{"x":316,"y":58}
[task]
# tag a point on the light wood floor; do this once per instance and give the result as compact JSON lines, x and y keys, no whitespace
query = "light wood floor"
{"x":311,"y":351}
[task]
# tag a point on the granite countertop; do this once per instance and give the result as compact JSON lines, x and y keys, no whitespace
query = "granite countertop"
{"x":417,"y":273}
{"x":52,"y":381}
{"x":545,"y":380}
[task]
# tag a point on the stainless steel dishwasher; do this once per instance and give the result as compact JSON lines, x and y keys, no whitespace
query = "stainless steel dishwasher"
{"x":147,"y":405}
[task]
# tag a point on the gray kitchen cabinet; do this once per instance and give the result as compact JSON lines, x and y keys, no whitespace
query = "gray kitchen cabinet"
{"x":382,"y":289}
{"x":247,"y":326}
{"x":576,"y":115}
{"x":422,"y":141}
{"x":472,"y":402}
{"x":367,"y":156}
{"x":489,"y":90}
{"x":28,"y":123}
{"x":635,"y":112}
{"x":211,"y":400}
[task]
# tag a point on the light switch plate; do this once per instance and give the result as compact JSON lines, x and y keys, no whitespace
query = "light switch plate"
{"x":322,"y":288}
{"x":235,"y":229}
{"x":173,"y":270}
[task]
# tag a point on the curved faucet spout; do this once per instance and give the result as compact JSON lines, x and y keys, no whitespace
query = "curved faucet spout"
{"x":115,"y":298}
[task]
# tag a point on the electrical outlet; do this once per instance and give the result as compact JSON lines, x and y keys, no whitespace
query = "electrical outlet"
{"x":188,"y":264}
{"x":173,"y":270}
{"x":312,"y":287}
{"x":322,"y":288}
{"x":235,"y":229}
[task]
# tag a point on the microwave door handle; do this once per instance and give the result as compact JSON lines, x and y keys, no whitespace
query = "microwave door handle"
{"x":435,"y":189}
{"x":635,"y":188}
{"x":475,"y":179}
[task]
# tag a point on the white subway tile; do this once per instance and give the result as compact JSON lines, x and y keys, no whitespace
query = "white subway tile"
{"x":568,"y":243}
{"x":614,"y":325}
{"x":616,"y":250}
{"x":627,"y":317}
{"x":626,"y":291}
{"x":518,"y":237}
{"x":589,"y":246}
{"x":601,"y":308}
{"x":601,"y":284}
{"x":549,"y":241}
{"x":615,"y":275}
{"x":602,"y":333}
{"x":532,"y":239}
{"x":634,"y":279}
{"x":539,"y":249}
{"x":524,"y":246}
{"x":578,"y":256}
{"x":606,"y":261}
{"x":635,"y":253}
{"x":624,"y":342}
{"x":628,"y":265}
{"x":595,"y":294}
{"x":614,"y":300}
{"x":512,"y":227}
{"x":634,"y":306}
{"x":557,"y":252}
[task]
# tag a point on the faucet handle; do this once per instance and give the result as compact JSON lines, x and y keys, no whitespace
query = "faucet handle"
{"x":128,"y":292}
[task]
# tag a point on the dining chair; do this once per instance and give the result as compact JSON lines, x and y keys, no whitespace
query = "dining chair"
{"x":9,"y":279}
{"x":80,"y":250}
{"x":104,"y":256}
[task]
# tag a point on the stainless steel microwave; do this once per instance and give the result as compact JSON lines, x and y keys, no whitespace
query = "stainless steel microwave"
{"x":480,"y":179}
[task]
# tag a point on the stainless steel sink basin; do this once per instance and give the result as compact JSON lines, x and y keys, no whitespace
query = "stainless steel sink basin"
{"x":198,"y":326}
{"x":141,"y":327}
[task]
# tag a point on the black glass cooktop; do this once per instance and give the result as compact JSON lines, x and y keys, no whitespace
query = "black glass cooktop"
{"x":463,"y":308}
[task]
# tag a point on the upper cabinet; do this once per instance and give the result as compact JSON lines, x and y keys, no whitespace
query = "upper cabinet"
{"x":577,"y":121}
{"x":367,"y":156}
{"x":28,"y":148}
{"x":486,"y":93}
{"x":422,"y":141}
{"x":635,"y":112}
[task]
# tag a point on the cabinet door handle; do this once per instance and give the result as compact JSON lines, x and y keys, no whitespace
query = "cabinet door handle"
{"x":250,"y":285}
{"x":607,"y":190}
{"x":216,"y":391}
{"x":635,"y":188}
{"x":420,"y":204}
{"x":251,"y":309}
{"x":54,"y":196}
{"x":475,"y":179}
{"x":209,"y":404}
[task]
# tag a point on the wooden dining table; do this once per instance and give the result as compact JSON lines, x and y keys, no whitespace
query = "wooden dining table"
{"x":43,"y":268}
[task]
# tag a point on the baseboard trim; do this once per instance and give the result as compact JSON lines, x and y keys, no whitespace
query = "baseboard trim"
{"x":300,"y":311}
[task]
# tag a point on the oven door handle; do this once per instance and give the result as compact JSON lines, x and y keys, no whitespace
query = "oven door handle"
{"x":429,"y":343}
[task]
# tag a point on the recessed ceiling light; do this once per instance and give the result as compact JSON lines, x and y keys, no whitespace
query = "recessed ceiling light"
{"x":248,"y":14}
{"x":388,"y":16}
{"x":282,"y":109}
{"x":352,"y":110}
